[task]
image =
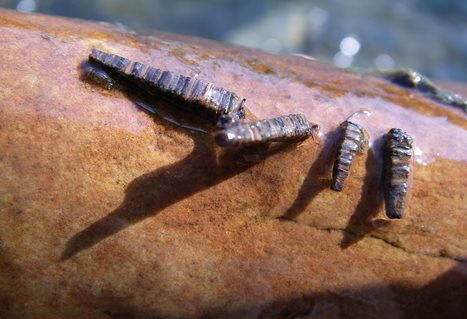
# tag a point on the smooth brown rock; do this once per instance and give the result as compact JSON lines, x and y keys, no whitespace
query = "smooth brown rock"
{"x":108,"y":212}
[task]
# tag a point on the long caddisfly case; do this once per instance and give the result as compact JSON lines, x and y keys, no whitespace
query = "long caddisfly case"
{"x":221,"y":106}
{"x":290,"y":128}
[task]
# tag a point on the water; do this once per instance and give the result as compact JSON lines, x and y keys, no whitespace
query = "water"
{"x":427,"y":35}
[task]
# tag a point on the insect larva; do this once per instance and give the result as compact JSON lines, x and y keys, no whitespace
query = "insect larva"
{"x":397,"y":158}
{"x":99,"y":76}
{"x":353,"y":141}
{"x":293,"y":127}
{"x":223,"y":106}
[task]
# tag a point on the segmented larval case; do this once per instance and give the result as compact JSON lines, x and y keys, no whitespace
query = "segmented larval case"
{"x":398,"y":153}
{"x":353,"y":140}
{"x":223,"y":106}
{"x":292,"y":127}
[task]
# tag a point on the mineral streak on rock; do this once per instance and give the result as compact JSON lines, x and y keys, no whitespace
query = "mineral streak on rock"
{"x":290,"y":128}
{"x":110,"y":212}
{"x":226,"y":106}
{"x":398,"y":155}
{"x":353,"y":140}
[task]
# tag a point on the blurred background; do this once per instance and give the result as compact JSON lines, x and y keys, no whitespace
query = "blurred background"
{"x":427,"y":35}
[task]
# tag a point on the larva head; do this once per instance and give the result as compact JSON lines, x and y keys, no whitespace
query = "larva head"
{"x":225,"y":120}
{"x":231,"y":116}
{"x":225,"y":138}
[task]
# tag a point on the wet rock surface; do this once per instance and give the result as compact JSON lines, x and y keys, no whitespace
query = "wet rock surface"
{"x":109,"y":212}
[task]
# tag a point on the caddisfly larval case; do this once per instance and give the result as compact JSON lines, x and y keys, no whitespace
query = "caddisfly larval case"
{"x":398,"y":158}
{"x":289,"y":128}
{"x":222,"y":106}
{"x":353,"y":140}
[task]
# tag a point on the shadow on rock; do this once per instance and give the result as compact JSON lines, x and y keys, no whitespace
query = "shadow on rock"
{"x":444,"y":297}
{"x":151,"y":193}
{"x":317,"y":178}
{"x":371,"y":200}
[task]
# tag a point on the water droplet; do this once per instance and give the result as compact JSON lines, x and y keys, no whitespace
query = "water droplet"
{"x":342,"y":60}
{"x":26,"y":6}
{"x":384,"y":61}
{"x":349,"y":45}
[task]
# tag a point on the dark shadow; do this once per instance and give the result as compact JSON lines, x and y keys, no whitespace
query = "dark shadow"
{"x":444,"y":297}
{"x":318,"y":177}
{"x":371,"y":199}
{"x":150,"y":193}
